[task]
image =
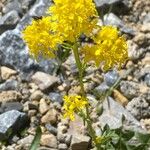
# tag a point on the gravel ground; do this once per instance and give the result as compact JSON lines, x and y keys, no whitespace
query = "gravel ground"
{"x":31,"y":93}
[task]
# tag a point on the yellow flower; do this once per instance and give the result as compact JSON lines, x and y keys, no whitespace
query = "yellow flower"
{"x":73,"y":104}
{"x":74,"y":17}
{"x":109,"y":49}
{"x":41,"y":39}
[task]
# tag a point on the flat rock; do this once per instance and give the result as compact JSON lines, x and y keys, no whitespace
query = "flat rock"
{"x":43,"y":80}
{"x":113,"y":113}
{"x":12,"y":121}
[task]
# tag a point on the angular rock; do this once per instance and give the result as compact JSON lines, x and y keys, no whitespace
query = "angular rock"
{"x":14,"y":53}
{"x":37,"y":95}
{"x":9,"y":96}
{"x":80,"y":142}
{"x":50,"y":117}
{"x":139,"y":107}
{"x":43,"y":80}
{"x":112,"y":19}
{"x":49,"y":140}
{"x":43,"y":106}
{"x":113,"y":113}
{"x":7,"y":72}
{"x":26,"y":141}
{"x":51,"y":129}
{"x":12,"y":122}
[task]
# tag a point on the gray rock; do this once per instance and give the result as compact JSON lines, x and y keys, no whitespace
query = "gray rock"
{"x":55,"y":97}
{"x":113,"y":113}
{"x":12,"y":122}
{"x":12,"y":106}
{"x":111,"y":77}
{"x":146,"y":19}
{"x":51,"y":129}
{"x":13,"y":5}
{"x":10,"y":18}
{"x":14,"y":53}
{"x":139,"y":107}
{"x":112,"y":19}
{"x":102,"y":88}
{"x":147,"y":79}
{"x":129,"y":89}
{"x":43,"y":80}
{"x":9,"y":85}
{"x":119,"y":6}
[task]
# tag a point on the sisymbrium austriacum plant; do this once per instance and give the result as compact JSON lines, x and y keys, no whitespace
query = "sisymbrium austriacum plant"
{"x":64,"y":23}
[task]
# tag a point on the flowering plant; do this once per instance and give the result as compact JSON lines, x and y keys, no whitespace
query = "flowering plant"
{"x":63,"y":25}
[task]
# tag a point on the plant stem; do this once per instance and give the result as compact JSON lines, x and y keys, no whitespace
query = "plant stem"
{"x":80,"y":69}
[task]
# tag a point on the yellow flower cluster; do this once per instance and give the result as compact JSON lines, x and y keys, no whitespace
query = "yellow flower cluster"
{"x":73,"y":104}
{"x":66,"y":21}
{"x":74,"y":17}
{"x":38,"y":37}
{"x":109,"y":49}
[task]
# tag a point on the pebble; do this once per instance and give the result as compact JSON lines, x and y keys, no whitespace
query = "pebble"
{"x":43,"y":106}
{"x":40,"y":77}
{"x":50,"y":117}
{"x":49,"y":140}
{"x":6,"y":72}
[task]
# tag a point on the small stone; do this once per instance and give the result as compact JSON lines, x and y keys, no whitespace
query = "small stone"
{"x":111,"y":77}
{"x":7,"y":72}
{"x":80,"y":142}
{"x":55,"y":97}
{"x":36,"y":95}
{"x":9,"y":96}
{"x":51,"y":129}
{"x":50,"y":117}
{"x":32,"y":113}
{"x":43,"y":106}
{"x":49,"y":140}
{"x":43,"y":80}
{"x":62,"y":146}
{"x":130,"y":89}
{"x":10,"y":84}
{"x":120,"y":98}
{"x":26,"y":141}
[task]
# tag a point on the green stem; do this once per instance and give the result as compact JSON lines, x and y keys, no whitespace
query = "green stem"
{"x":80,"y":69}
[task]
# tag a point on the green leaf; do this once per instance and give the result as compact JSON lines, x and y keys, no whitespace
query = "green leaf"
{"x":36,"y":141}
{"x":143,"y":138}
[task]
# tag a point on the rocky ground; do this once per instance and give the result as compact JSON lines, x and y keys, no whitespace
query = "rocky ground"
{"x":31,"y":93}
